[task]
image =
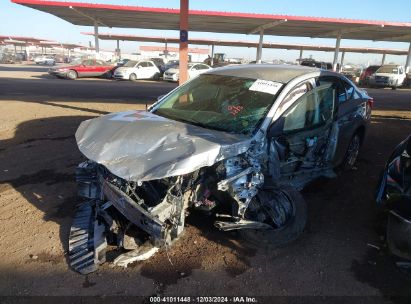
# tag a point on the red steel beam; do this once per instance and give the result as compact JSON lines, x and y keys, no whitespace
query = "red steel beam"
{"x":183,"y":41}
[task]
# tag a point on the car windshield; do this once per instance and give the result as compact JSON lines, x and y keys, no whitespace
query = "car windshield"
{"x":225,"y":103}
{"x":388,"y":69}
{"x":177,"y":67}
{"x":130,"y":64}
{"x":76,"y":61}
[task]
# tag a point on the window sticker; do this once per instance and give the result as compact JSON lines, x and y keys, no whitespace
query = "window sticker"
{"x":266,"y":86}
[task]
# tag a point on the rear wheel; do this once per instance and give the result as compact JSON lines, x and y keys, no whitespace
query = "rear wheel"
{"x":352,"y":152}
{"x":156,"y":76}
{"x":72,"y":75}
{"x":133,"y":77}
{"x":394,"y":87}
{"x":283,"y":209}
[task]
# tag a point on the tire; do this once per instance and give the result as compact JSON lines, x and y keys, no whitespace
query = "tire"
{"x":293,"y":220}
{"x":108,"y":75}
{"x":133,"y":77}
{"x":72,"y":75}
{"x":156,"y":77}
{"x":352,"y":152}
{"x":394,"y":87}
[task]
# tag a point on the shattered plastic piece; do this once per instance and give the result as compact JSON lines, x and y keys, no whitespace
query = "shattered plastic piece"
{"x":87,"y":243}
{"x":140,"y":254}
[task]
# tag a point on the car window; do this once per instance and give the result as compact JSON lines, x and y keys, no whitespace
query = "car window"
{"x":100,"y":62}
{"x":142,"y":64}
{"x":349,"y":89}
{"x":88,"y":62}
{"x":202,"y":67}
{"x":149,"y":64}
{"x":311,"y":110}
{"x":130,"y":64}
{"x":388,"y":69}
{"x":357,"y":95}
{"x":335,"y":81}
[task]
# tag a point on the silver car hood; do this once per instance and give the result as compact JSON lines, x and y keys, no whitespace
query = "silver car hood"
{"x":141,"y":146}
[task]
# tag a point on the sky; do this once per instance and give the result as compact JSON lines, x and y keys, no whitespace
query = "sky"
{"x":17,"y":20}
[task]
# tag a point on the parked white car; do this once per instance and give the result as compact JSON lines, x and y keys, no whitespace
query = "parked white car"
{"x":133,"y":70}
{"x":45,"y":60}
{"x":390,"y":75}
{"x":194,"y":69}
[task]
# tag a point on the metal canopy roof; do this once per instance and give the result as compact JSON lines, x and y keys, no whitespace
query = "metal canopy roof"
{"x":268,"y":45}
{"x":24,"y":40}
{"x":222,"y":22}
{"x":19,"y":40}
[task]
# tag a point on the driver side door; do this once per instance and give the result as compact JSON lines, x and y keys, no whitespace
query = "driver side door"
{"x":300,"y":137}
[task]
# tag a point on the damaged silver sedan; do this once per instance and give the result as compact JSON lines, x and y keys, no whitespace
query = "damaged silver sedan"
{"x":237,"y":143}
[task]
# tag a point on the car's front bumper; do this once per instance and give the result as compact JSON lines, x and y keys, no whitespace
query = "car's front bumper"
{"x":58,"y":73}
{"x":381,"y":82}
{"x":170,"y":77}
{"x":120,"y":76}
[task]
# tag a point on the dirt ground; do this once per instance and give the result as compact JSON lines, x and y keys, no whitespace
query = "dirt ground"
{"x":38,"y":156}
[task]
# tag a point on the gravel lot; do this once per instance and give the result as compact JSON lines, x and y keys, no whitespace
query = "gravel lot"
{"x":38,"y":155}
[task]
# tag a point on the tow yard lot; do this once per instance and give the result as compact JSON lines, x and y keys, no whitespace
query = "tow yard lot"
{"x":38,"y":156}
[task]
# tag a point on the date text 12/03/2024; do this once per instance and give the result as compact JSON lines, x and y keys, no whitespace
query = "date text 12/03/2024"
{"x":201,"y":299}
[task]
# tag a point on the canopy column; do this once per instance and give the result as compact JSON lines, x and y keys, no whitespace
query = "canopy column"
{"x":342,"y":60}
{"x":383,"y":59}
{"x":183,"y":41}
{"x":96,"y":42}
{"x":212,"y":55}
{"x":408,"y":61}
{"x":166,"y":50}
{"x":260,"y":47}
{"x":118,"y":51}
{"x":337,"y":50}
{"x":301,"y":56}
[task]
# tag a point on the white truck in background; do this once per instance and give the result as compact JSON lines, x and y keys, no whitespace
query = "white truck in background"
{"x":389,"y":75}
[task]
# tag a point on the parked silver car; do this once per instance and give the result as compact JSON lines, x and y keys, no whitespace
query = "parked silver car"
{"x":237,"y":142}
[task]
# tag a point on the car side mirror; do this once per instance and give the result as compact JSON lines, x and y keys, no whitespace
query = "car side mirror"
{"x":276,"y":129}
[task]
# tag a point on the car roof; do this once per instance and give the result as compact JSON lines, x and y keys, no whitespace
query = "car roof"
{"x":278,"y":73}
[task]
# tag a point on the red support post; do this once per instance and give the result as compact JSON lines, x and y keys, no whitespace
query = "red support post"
{"x":183,"y":41}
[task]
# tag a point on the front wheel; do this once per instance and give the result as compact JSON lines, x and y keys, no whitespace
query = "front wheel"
{"x":284,"y":209}
{"x":133,"y":77}
{"x":156,"y":76}
{"x":72,"y":75}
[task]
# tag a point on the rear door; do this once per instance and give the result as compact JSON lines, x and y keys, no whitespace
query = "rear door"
{"x":101,"y":67}
{"x":302,"y":138}
{"x":350,"y":114}
{"x":85,"y":69}
{"x":142,"y":70}
{"x":151,"y":70}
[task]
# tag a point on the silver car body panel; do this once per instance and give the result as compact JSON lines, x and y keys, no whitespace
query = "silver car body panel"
{"x":141,"y":146}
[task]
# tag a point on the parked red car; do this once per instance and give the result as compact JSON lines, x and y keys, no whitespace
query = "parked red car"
{"x":365,"y":75}
{"x":85,"y":68}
